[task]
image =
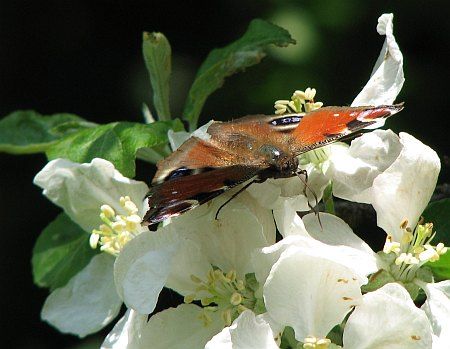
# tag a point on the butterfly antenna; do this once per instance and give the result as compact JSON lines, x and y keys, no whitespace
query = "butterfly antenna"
{"x":299,"y":174}
{"x":256,"y":180}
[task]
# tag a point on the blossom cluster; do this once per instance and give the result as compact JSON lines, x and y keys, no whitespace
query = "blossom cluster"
{"x":319,"y":286}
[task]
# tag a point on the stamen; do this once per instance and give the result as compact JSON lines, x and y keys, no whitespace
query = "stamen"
{"x":223,"y":292}
{"x":117,"y":230}
{"x":312,"y":342}
{"x":299,"y":100}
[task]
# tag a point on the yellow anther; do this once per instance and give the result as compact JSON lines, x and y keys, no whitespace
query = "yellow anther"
{"x":404,"y":224}
{"x":93,"y":240}
{"x":189,"y":298}
{"x":108,"y":211}
{"x":236,"y":298}
{"x":105,"y":229}
{"x":206,"y":301}
{"x":240,"y":285}
{"x":119,"y":226}
{"x":231,"y":275}
{"x":310,"y":93}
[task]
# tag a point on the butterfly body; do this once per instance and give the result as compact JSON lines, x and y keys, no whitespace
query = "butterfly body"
{"x":252,"y":147}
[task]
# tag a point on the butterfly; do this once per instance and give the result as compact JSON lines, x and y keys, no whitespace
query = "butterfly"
{"x":254,"y":147}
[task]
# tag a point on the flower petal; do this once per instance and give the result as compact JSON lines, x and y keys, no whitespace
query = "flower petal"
{"x":142,"y":267}
{"x":242,"y":227}
{"x":437,"y":308}
{"x":80,"y":189}
{"x":354,"y":169}
{"x":387,"y":319}
{"x":387,"y":77}
{"x":179,"y":328}
{"x":274,"y":192}
{"x":127,"y":332}
{"x":288,"y":221}
{"x":311,"y":294}
{"x":87,"y":303}
{"x":405,"y":188}
{"x":247,"y":332}
{"x":332,"y":230}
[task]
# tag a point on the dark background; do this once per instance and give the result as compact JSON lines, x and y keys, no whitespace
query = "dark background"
{"x":84,"y":57}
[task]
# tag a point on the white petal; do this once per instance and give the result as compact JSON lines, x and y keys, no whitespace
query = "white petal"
{"x":80,"y":189}
{"x":405,"y":188}
{"x":247,"y":332}
{"x":309,"y":293}
{"x":88,"y":302}
{"x":267,"y":193}
{"x":354,"y":169}
{"x":142,"y":267}
{"x":288,"y":221}
{"x":189,"y":260}
{"x":353,"y":251}
{"x":127,"y":332}
{"x":387,"y":77}
{"x":265,"y":258}
{"x":179,"y":328}
{"x":332,"y":230}
{"x":242,"y":227}
{"x":274,"y":192}
{"x":437,"y":308}
{"x":387,"y":319}
{"x":176,"y":139}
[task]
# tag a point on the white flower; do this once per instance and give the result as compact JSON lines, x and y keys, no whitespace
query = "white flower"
{"x":211,"y":259}
{"x":89,"y":300}
{"x":312,"y":277}
{"x":387,"y":319}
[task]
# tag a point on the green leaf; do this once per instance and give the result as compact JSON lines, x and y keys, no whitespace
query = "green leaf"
{"x":157,"y":56}
{"x":223,"y":62}
{"x":60,"y":252}
{"x":28,"y":132}
{"x":438,"y":213}
{"x":441,"y":268}
{"x":288,"y":340}
{"x":117,"y":142}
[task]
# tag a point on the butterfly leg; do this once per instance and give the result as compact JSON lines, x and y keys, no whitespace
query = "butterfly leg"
{"x":299,"y":174}
{"x":256,"y":180}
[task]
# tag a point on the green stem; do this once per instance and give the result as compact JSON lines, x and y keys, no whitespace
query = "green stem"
{"x":328,"y":199}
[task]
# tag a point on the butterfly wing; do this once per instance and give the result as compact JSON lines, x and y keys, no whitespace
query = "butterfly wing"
{"x":329,"y":124}
{"x":234,"y":152}
{"x":178,"y":195}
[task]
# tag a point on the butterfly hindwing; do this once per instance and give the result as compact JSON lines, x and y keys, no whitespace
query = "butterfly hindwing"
{"x":183,"y":193}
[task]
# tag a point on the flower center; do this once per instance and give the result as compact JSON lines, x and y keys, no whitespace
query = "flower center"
{"x":312,"y":342}
{"x":116,"y":229}
{"x":300,"y":100}
{"x":413,"y":251}
{"x":225,"y":293}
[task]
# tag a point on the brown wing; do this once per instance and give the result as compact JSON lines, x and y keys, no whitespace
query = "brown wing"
{"x":178,"y":195}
